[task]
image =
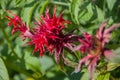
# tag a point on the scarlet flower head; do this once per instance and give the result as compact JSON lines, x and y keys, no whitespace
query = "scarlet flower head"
{"x":48,"y":35}
{"x":90,"y":44}
{"x":93,"y":46}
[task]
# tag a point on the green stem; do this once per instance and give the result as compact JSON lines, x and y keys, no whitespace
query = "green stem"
{"x":9,"y":43}
{"x":59,"y":3}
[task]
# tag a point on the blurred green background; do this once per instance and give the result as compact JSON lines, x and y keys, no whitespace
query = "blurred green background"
{"x":16,"y":59}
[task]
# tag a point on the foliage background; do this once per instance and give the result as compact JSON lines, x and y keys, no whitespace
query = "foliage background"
{"x":16,"y":59}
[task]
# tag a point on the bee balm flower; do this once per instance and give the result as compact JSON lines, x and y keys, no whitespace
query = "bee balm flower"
{"x":94,"y":47}
{"x":47,"y":35}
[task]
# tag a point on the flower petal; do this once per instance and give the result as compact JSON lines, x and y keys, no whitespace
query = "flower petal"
{"x":81,"y":62}
{"x":91,"y":67}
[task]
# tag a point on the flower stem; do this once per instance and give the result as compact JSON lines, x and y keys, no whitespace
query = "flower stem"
{"x":9,"y":42}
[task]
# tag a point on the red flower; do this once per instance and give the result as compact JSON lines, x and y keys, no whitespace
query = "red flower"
{"x":49,"y":36}
{"x":18,"y":25}
{"x":94,"y":47}
{"x":103,"y":34}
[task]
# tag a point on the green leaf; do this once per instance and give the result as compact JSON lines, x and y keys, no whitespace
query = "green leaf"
{"x":3,"y":71}
{"x":44,"y":6}
{"x":81,"y":11}
{"x":19,"y":45}
{"x":85,"y":75}
{"x":3,"y":4}
{"x":111,"y":4}
{"x":33,"y":63}
{"x":74,"y":10}
{"x":86,"y":14}
{"x":82,"y":75}
{"x":100,"y":14}
{"x":104,"y":76}
{"x":20,"y":3}
{"x":46,"y":62}
{"x":28,"y":12}
{"x":116,"y":57}
{"x":17,"y":2}
{"x":112,"y":66}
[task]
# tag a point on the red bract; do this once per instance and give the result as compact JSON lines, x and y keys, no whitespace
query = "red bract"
{"x":18,"y":25}
{"x":49,"y":36}
{"x":94,"y":47}
{"x":104,"y":34}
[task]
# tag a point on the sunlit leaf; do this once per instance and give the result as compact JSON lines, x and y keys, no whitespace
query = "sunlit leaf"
{"x":74,"y":9}
{"x":86,"y":14}
{"x":3,"y":4}
{"x":43,"y":6}
{"x":104,"y":76}
{"x":111,"y":4}
{"x":84,"y":75}
{"x":20,"y":3}
{"x":28,"y":11}
{"x":46,"y":62}
{"x":112,"y":66}
{"x":3,"y":71}
{"x":100,"y":14}
{"x":33,"y":63}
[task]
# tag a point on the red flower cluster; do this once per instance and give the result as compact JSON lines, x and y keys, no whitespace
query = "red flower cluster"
{"x":94,"y":47}
{"x":18,"y":25}
{"x":47,"y":35}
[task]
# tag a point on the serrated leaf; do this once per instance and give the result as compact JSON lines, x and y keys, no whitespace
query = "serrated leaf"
{"x":111,"y":4}
{"x":81,"y":11}
{"x":32,"y":63}
{"x":3,"y":4}
{"x":100,"y":14}
{"x":3,"y":71}
{"x":20,"y":3}
{"x":104,"y":76}
{"x":46,"y":62}
{"x":74,"y":9}
{"x":44,"y":6}
{"x":112,"y":66}
{"x":27,"y":12}
{"x":85,"y":75}
{"x":86,"y":14}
